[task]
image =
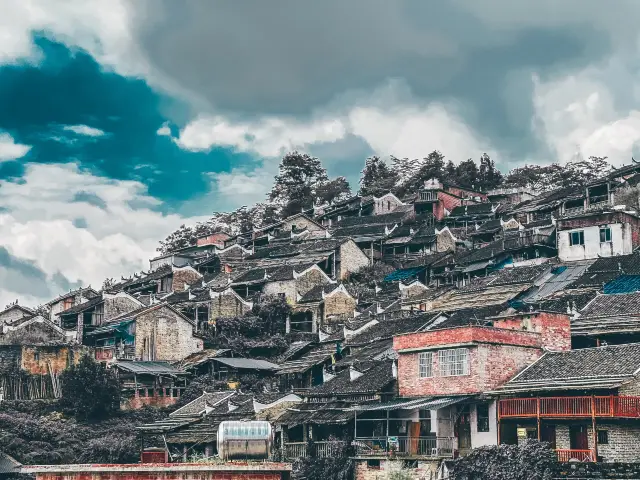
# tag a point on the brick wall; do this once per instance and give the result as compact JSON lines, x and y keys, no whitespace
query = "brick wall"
{"x":167,"y":474}
{"x":154,"y":400}
{"x":623,"y":442}
{"x":183,"y":277}
{"x":36,"y":359}
{"x":386,"y":204}
{"x":216,"y":239}
{"x":454,"y":336}
{"x":162,"y":334}
{"x":554,"y":328}
{"x":426,"y":470}
{"x":10,"y":357}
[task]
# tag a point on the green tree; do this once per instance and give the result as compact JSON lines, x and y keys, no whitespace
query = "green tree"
{"x":89,"y":390}
{"x":295,"y":185}
{"x":489,"y":176}
{"x":376,"y":178}
{"x":333,"y":190}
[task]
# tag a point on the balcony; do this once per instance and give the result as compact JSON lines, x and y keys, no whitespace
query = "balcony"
{"x":565,"y":456}
{"x":570,"y":407}
{"x":327,"y":449}
{"x":428,"y":196}
{"x":405,"y":446}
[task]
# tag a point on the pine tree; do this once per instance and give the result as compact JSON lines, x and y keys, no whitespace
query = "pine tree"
{"x":377,"y":178}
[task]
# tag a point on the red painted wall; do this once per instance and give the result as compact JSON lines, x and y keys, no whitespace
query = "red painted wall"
{"x":452,"y":336}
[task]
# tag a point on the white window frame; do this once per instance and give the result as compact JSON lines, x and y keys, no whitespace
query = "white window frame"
{"x":425,"y":364}
{"x":605,"y":230}
{"x":580,"y":234}
{"x":453,"y":362}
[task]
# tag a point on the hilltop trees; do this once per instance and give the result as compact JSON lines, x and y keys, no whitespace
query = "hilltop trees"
{"x":376,"y":177}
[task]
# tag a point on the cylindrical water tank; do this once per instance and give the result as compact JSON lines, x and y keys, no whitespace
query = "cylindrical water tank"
{"x":245,"y":440}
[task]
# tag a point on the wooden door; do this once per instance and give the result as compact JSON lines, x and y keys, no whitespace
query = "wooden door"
{"x":578,"y":439}
{"x":548,"y":434}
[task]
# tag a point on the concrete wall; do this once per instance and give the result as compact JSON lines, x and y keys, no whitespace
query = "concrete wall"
{"x":621,"y":243}
{"x":386,"y":204}
{"x":479,"y":439}
{"x":162,"y":334}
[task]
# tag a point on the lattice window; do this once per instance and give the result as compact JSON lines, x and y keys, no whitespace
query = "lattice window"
{"x":453,"y":362}
{"x":425,"y":364}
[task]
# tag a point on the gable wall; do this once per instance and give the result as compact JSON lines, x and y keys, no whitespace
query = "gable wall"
{"x":162,"y":334}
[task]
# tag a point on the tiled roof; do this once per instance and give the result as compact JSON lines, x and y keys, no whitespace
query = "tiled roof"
{"x":623,"y":284}
{"x":560,"y":303}
{"x":373,"y":380}
{"x":150,"y":368}
{"x":315,"y":356}
{"x":473,"y":209}
{"x":197,"y":406}
{"x":588,"y":368}
{"x":81,"y":307}
{"x":388,"y":328}
{"x":315,"y":294}
{"x":361,"y":231}
{"x":373,"y":351}
{"x":613,"y":305}
{"x":318,"y":413}
{"x":624,"y":264}
{"x":8,"y":465}
{"x":593,"y":279}
{"x":386,"y":219}
{"x":246,"y":363}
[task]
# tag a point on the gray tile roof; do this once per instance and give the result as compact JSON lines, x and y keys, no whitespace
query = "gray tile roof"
{"x":246,"y":363}
{"x":197,"y":406}
{"x":613,"y":305}
{"x":376,"y":379}
{"x":590,"y":368}
{"x":150,"y":368}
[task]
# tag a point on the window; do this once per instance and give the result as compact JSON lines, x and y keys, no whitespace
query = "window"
{"x":410,"y":464}
{"x":36,"y":356}
{"x":603,"y":437}
{"x":425,"y":364}
{"x":373,"y":464}
{"x":482,"y":412}
{"x":166,"y":284}
{"x":605,"y":234}
{"x":68,"y":303}
{"x":453,"y":362}
{"x":576,"y":238}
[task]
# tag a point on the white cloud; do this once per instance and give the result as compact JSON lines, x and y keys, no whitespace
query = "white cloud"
{"x":38,"y":224}
{"x":10,"y":150}
{"x":388,"y":121}
{"x":579,"y":114}
{"x":164,"y":130}
{"x":85,"y":130}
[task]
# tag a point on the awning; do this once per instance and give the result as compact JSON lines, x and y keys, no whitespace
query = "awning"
{"x":425,"y":403}
{"x":120,"y":327}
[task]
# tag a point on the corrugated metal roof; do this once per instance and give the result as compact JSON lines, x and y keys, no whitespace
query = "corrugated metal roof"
{"x":426,"y":403}
{"x":247,"y":363}
{"x":151,"y":368}
{"x":112,"y":327}
{"x":403,"y":274}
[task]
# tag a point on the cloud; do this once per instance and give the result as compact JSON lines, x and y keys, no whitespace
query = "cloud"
{"x":82,"y":227}
{"x":389,"y":119}
{"x":10,"y":150}
{"x":84,"y":130}
{"x":164,"y":130}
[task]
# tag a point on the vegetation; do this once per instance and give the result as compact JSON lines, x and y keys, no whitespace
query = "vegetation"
{"x":531,"y":461}
{"x":339,"y":466}
{"x":36,"y":432}
{"x":89,"y":390}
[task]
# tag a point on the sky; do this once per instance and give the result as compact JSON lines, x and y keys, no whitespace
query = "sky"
{"x":122,"y":120}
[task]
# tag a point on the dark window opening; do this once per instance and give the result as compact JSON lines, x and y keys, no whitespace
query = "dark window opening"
{"x":603,"y":437}
{"x":409,"y":464}
{"x":373,"y":464}
{"x":605,"y":234}
{"x":482,"y":411}
{"x":576,"y":238}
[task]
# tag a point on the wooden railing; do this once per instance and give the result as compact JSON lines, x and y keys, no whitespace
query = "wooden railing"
{"x":576,"y":455}
{"x":405,"y":446}
{"x":598,"y":406}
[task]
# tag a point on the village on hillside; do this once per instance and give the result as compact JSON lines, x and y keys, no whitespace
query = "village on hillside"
{"x":411,"y":326}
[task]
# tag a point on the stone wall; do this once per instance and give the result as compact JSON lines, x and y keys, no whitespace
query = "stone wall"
{"x":227,"y":304}
{"x":162,"y":334}
{"x":38,"y":359}
{"x":288,"y":287}
{"x":311,"y":278}
{"x":426,"y":470}
{"x":116,"y":305}
{"x":10,"y":357}
{"x":11,"y":315}
{"x":585,"y":471}
{"x":386,"y":204}
{"x":352,"y":259}
{"x":445,"y":241}
{"x":300,"y":223}
{"x":339,"y":304}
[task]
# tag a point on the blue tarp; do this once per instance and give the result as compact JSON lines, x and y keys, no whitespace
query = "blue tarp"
{"x":403,"y":274}
{"x":623,"y":284}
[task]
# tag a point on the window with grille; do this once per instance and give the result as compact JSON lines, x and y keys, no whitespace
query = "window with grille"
{"x":576,"y":238}
{"x":453,"y":362}
{"x":605,"y":234}
{"x":603,"y":437}
{"x":425,"y":364}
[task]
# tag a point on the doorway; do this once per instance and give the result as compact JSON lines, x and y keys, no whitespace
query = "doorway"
{"x":578,"y":438}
